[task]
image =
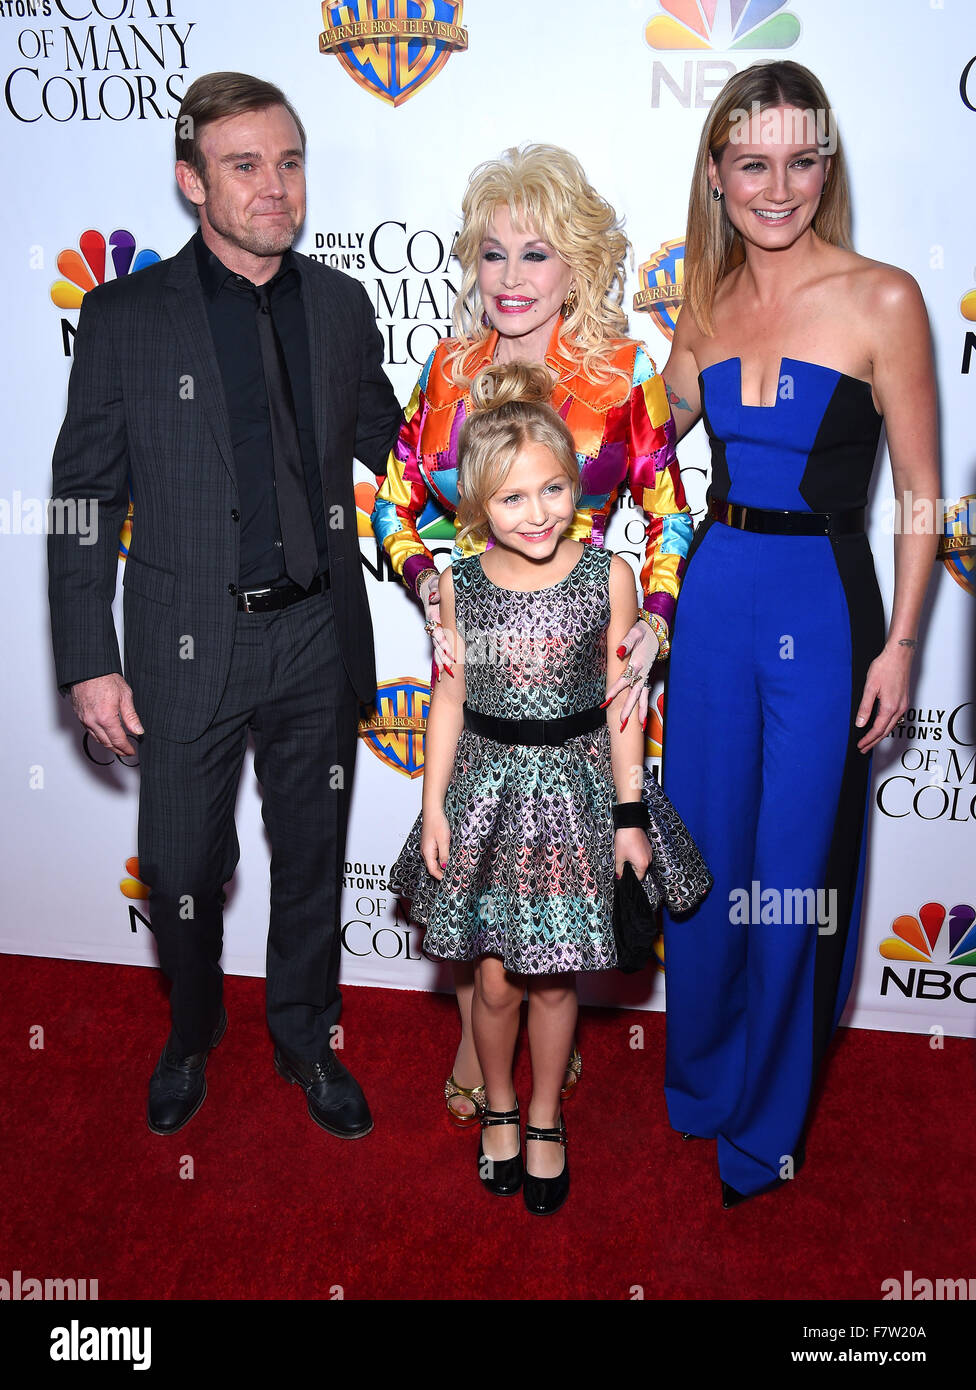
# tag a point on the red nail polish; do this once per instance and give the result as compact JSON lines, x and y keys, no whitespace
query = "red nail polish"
{"x":621,"y":651}
{"x":624,"y":724}
{"x":449,"y":672}
{"x":607,"y":701}
{"x":644,"y":722}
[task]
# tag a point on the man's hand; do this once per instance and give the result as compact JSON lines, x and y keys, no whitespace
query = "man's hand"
{"x":104,"y":705}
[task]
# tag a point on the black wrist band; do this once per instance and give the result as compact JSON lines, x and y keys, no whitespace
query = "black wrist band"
{"x":629,"y":815}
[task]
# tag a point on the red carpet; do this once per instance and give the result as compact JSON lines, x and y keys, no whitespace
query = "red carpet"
{"x":277,"y":1209}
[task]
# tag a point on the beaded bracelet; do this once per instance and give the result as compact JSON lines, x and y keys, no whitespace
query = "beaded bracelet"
{"x":424,"y":574}
{"x":660,"y":629}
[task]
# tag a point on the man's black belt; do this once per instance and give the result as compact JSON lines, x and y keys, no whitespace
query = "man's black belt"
{"x":281,"y":596}
{"x":534,"y":732}
{"x":771,"y":523}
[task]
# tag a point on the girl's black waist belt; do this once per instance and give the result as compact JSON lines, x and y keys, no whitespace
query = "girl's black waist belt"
{"x":534,"y":732}
{"x":772,"y":523}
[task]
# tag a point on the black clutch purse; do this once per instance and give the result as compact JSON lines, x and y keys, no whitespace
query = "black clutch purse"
{"x":635,"y":923}
{"x":678,"y":877}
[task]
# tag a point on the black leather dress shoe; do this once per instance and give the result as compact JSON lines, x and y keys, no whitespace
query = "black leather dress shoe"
{"x":335,"y":1100}
{"x":179,"y":1086}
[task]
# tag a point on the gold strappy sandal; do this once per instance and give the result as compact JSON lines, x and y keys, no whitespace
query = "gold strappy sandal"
{"x":574,"y":1066}
{"x":475,"y":1094}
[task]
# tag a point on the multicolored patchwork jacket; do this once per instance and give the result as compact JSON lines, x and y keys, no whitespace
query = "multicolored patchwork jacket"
{"x":624,"y":434}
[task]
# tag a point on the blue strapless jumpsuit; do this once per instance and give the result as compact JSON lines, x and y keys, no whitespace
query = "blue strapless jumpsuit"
{"x":772,"y":639}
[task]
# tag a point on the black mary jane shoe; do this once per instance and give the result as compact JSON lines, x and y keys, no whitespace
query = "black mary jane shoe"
{"x":503,"y":1176}
{"x":543,"y":1196}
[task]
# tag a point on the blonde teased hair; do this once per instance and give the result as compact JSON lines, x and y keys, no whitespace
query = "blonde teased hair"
{"x":546,"y":190}
{"x":713,"y":247}
{"x":511,"y":409}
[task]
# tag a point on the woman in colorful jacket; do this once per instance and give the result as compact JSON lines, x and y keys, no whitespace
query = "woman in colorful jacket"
{"x":542,"y":258}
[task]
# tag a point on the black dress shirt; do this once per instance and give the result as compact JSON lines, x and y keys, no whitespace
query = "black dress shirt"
{"x":231,"y":304}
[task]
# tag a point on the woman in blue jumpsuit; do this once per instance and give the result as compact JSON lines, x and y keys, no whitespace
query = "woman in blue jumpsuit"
{"x":792,"y":349}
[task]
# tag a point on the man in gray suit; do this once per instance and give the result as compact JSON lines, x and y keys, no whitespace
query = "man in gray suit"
{"x":231,"y":386}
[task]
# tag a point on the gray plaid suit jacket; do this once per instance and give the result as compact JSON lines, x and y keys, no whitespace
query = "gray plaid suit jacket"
{"x":146,"y":402}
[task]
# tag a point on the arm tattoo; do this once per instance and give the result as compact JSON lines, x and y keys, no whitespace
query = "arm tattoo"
{"x":677,"y":402}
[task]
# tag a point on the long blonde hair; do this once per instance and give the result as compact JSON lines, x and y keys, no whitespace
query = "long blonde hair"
{"x":713,"y":247}
{"x":546,"y":190}
{"x":510,"y":409}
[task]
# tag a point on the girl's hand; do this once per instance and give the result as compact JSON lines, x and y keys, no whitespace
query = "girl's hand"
{"x":435,"y":840}
{"x":640,"y":645}
{"x":631,"y":846}
{"x":430,"y":598}
{"x":886,"y":682}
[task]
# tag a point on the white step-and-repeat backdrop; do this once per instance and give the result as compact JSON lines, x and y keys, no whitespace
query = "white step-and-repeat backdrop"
{"x":90,"y":92}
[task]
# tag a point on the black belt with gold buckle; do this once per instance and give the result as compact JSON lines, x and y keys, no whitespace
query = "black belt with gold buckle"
{"x":772,"y":523}
{"x":281,"y":596}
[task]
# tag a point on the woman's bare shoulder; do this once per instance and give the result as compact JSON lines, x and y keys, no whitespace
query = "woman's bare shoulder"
{"x":884,"y":298}
{"x":875,"y":283}
{"x":688,"y":339}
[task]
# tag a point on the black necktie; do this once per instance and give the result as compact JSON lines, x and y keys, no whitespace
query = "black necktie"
{"x":294,"y":513}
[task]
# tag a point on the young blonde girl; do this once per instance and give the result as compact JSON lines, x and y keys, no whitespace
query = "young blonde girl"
{"x":513,"y":861}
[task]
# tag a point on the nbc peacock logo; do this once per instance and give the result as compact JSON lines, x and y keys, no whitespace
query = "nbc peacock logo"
{"x":654,"y":733}
{"x":432,"y":524}
{"x":917,"y":938}
{"x":967,"y":308}
{"x":134,"y":891}
{"x":85,"y":267}
{"x":722,"y":24}
{"x":132,"y":886}
{"x":125,"y":535}
{"x":926,"y":942}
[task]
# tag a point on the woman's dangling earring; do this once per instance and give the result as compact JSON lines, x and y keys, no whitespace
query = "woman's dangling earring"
{"x":717,"y":195}
{"x":485,"y":320}
{"x":569,"y":303}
